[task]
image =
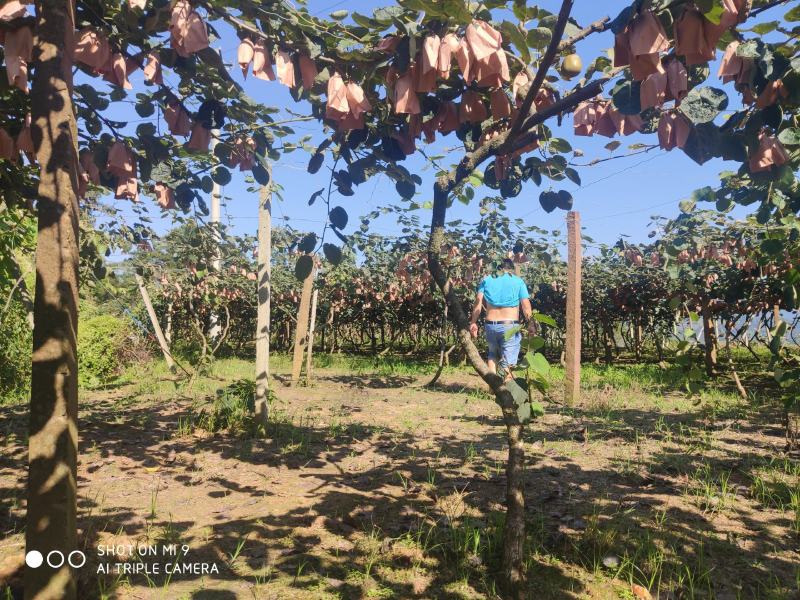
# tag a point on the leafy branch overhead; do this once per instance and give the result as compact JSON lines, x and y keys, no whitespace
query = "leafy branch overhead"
{"x":380,"y":83}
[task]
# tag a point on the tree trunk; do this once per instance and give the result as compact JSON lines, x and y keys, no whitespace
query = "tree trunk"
{"x":214,"y":326}
{"x":442,"y":348}
{"x":659,"y":347}
{"x":53,"y":425}
{"x":301,"y":327}
{"x":514,"y":538}
{"x":514,"y":532}
{"x":168,"y":327}
{"x":709,"y":340}
{"x":162,"y":342}
{"x":312,"y":324}
{"x":638,"y":337}
{"x":332,"y":323}
{"x":263,"y":309}
{"x":608,"y":343}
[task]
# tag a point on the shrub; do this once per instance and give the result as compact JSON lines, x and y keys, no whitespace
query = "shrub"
{"x":231,"y":409}
{"x":102,"y":341}
{"x":15,"y":355}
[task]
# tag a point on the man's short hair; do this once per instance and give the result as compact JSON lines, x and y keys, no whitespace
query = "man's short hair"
{"x":507,"y":264}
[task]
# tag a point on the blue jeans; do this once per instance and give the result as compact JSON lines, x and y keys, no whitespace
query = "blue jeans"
{"x":502,"y":350}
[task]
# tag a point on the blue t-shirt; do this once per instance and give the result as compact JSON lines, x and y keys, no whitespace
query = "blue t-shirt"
{"x":504,"y":290}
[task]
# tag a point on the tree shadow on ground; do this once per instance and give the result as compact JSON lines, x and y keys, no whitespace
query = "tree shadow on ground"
{"x":376,"y":382}
{"x":358,"y":508}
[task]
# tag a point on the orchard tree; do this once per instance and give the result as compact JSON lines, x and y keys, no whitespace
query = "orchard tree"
{"x":180,"y":264}
{"x":506,"y":84}
{"x":62,"y":139}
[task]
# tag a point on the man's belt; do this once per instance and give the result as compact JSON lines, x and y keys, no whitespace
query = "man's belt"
{"x":502,"y":322}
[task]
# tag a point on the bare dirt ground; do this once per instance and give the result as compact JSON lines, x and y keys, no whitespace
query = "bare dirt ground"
{"x":366,"y":486}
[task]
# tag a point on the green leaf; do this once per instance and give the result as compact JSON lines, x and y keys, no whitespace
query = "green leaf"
{"x":535,"y":343}
{"x":221,"y":175}
{"x":622,"y":19}
{"x":405,"y":188}
{"x":772,"y":246}
{"x":790,"y":136}
{"x":559,"y":145}
{"x":511,"y":332}
{"x":338,"y":15}
{"x":626,"y":96}
{"x":510,"y":188}
{"x":538,"y":363}
{"x":524,"y":412}
{"x":144,"y":109}
{"x":793,"y":15}
{"x":702,"y":105}
{"x":523,"y":12}
{"x":714,"y":13}
{"x":315,"y":195}
{"x":260,"y":174}
{"x":704,"y":194}
{"x":338,"y":217}
{"x":332,"y":253}
{"x":548,"y":200}
{"x":765,"y":28}
{"x":572,"y":175}
{"x":539,"y":37}
{"x":315,"y":162}
{"x":687,"y":206}
{"x":564,"y":200}
{"x":303,"y":267}
{"x":308,"y":243}
{"x":517,"y":37}
{"x":545,"y":319}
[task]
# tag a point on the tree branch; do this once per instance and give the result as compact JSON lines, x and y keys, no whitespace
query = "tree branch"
{"x":597,"y":27}
{"x":590,"y":90}
{"x":544,"y":66}
{"x":251,"y":29}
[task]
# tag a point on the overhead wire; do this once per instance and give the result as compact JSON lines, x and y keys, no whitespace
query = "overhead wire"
{"x":604,"y":178}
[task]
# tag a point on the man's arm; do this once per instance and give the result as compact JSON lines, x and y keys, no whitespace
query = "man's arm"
{"x":527,"y":310}
{"x":476,"y":314}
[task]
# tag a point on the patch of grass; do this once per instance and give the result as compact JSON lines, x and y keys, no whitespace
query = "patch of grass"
{"x":711,"y":491}
{"x":231,"y":410}
{"x":776,"y":484}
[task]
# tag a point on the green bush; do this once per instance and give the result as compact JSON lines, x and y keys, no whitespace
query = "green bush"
{"x":101,"y":344}
{"x":231,"y":410}
{"x":15,"y":355}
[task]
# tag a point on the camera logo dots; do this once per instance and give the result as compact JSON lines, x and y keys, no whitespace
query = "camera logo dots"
{"x":55,"y":559}
{"x":74,"y":557}
{"x":34,"y":559}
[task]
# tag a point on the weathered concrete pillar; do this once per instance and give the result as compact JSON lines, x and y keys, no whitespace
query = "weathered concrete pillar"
{"x":572,"y":380}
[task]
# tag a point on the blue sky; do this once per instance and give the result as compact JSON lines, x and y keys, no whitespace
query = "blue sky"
{"x":617,"y":197}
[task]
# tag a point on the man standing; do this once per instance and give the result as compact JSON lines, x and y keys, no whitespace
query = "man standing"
{"x":503,"y":295}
